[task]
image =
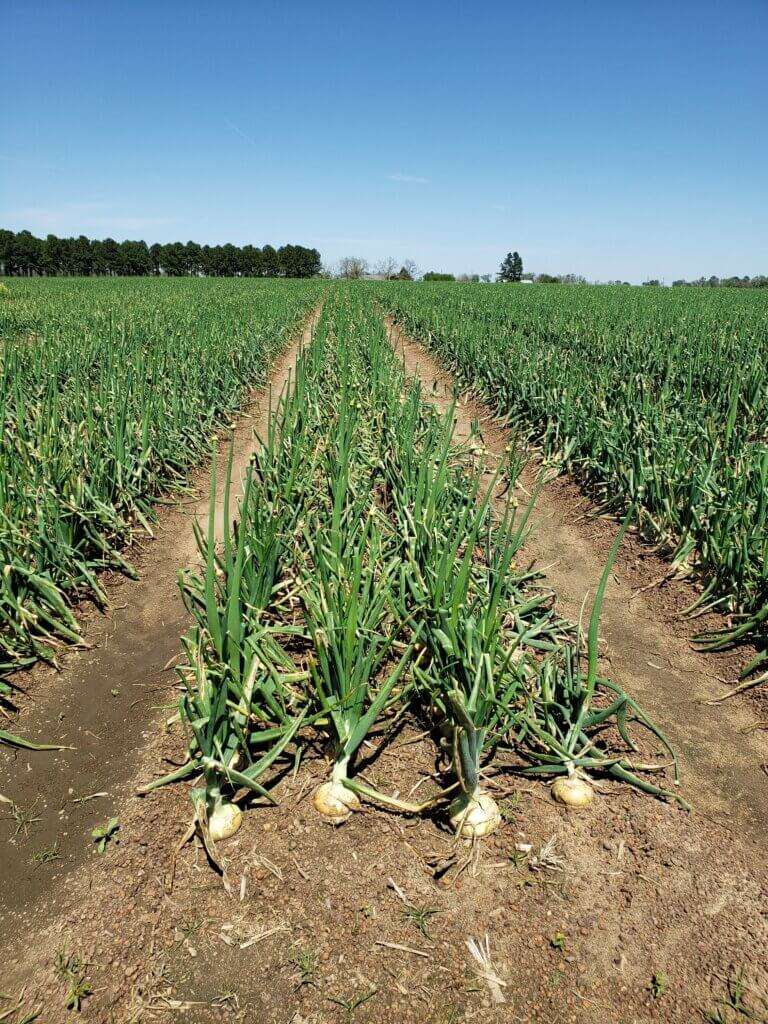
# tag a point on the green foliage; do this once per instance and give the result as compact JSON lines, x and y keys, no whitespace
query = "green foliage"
{"x":511,"y":269}
{"x":70,"y":969}
{"x":652,"y":397}
{"x":110,"y":391}
{"x":22,"y":254}
{"x":102,"y":835}
{"x":370,"y":572}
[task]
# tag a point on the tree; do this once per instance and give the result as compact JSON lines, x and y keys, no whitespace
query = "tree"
{"x":386,"y":268}
{"x":7,"y":252}
{"x":518,"y":266}
{"x":351,"y":267}
{"x":81,"y":256}
{"x":251,"y":261}
{"x":193,"y":258}
{"x":269,"y":265}
{"x":434,"y":275}
{"x":50,"y":260}
{"x":511,"y":269}
{"x":155,"y":251}
{"x":22,"y":254}
{"x":313,"y":262}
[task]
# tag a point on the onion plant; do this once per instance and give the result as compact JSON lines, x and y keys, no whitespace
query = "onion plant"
{"x":655,"y":398}
{"x":109,"y":392}
{"x":558,"y":727}
{"x":242,"y":701}
{"x":372,"y":571}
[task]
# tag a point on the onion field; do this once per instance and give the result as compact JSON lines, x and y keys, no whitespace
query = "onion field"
{"x":654,"y":398}
{"x":370,"y":574}
{"x":377,"y":726}
{"x":110,"y":392}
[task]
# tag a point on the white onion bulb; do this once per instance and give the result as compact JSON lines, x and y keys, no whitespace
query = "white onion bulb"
{"x":335,"y":802}
{"x":223,"y":821}
{"x":572,"y":791}
{"x":475,"y":816}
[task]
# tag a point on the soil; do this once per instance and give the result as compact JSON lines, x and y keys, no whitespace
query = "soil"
{"x":635,"y":911}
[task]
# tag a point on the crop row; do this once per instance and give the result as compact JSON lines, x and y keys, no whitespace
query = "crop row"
{"x":653,"y":398}
{"x":109,"y":391}
{"x":371,"y":573}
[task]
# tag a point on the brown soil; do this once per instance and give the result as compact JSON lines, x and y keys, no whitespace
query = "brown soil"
{"x":642,"y":915}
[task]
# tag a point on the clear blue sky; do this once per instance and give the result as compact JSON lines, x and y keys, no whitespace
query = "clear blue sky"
{"x":611,"y":139}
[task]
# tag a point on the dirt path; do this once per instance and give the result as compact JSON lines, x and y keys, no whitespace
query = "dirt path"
{"x":107,"y":698}
{"x":722,"y":748}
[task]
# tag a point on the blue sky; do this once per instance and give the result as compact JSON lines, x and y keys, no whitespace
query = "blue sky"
{"x":611,"y":139}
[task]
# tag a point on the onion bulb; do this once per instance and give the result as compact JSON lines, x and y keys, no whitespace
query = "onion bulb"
{"x":572,"y":791}
{"x":223,"y":821}
{"x":335,"y":802}
{"x":475,"y":816}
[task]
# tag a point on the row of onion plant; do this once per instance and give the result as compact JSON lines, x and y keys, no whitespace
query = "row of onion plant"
{"x":372,"y":573}
{"x":110,"y":391}
{"x":654,"y":398}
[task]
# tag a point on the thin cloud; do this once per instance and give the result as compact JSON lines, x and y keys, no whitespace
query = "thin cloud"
{"x":408,"y":179}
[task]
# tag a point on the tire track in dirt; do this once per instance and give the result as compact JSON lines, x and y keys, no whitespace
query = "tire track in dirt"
{"x":107,"y":698}
{"x":722,"y":749}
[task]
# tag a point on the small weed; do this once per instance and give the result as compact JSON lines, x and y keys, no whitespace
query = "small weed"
{"x":70,"y":969}
{"x":558,"y":941}
{"x":420,"y":917}
{"x":518,"y":859}
{"x":659,"y":984}
{"x":23,"y":820}
{"x":732,"y":1008}
{"x":46,"y":855}
{"x":450,"y":1016}
{"x":350,"y":1005}
{"x":508,"y":808}
{"x":18,"y":1014}
{"x":187,"y":927}
{"x":104,"y":834}
{"x":307,"y":962}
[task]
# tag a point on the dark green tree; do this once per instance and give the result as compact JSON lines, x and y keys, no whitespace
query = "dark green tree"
{"x":155,"y":252}
{"x":22,"y":254}
{"x":511,"y":268}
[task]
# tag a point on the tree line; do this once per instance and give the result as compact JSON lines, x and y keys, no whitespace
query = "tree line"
{"x":759,"y":281}
{"x":24,"y":255}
